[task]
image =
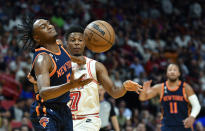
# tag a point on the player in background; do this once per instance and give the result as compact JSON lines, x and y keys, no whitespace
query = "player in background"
{"x":107,"y":113}
{"x":177,"y":100}
{"x":53,"y":72}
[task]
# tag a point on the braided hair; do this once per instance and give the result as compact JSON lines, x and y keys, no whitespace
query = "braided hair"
{"x":27,"y":33}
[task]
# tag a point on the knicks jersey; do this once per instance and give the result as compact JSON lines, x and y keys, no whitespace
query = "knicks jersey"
{"x":85,"y":100}
{"x":60,"y":74}
{"x":175,"y":106}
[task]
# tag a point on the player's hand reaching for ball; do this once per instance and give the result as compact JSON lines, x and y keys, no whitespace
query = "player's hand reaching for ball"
{"x":189,"y":121}
{"x":132,"y":86}
{"x":81,"y":81}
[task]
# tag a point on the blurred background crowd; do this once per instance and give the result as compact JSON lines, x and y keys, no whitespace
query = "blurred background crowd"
{"x":149,"y":36}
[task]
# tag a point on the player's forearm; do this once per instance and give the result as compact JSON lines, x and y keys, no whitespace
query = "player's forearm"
{"x":143,"y":96}
{"x":54,"y":91}
{"x":118,"y":92}
{"x":115,"y":123}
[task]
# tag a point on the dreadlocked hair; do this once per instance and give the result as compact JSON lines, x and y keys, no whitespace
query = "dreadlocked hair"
{"x":27,"y":33}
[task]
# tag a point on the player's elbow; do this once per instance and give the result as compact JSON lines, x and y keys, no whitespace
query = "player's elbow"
{"x":115,"y":96}
{"x":142,"y":99}
{"x":43,"y":95}
{"x":199,"y":107}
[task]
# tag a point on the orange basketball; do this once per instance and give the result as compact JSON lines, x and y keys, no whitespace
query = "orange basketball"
{"x":99,"y":36}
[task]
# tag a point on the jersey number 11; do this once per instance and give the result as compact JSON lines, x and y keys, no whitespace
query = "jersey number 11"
{"x":173,"y":107}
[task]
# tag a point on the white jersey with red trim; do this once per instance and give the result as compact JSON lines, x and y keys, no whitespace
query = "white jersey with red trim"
{"x":85,"y":100}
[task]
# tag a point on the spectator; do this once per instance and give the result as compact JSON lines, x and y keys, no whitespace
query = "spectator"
{"x":107,"y":113}
{"x":17,"y":110}
{"x":121,"y":118}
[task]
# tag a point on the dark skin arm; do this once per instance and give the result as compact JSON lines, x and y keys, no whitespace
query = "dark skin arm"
{"x":42,"y":67}
{"x":189,"y":121}
{"x":108,"y":85}
{"x":150,"y":92}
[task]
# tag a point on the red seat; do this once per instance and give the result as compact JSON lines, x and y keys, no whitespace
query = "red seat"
{"x":7,"y":104}
{"x":11,"y":87}
{"x":15,"y":124}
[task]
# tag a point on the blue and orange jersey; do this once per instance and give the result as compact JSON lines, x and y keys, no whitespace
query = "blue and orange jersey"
{"x":175,"y":105}
{"x":59,"y":75}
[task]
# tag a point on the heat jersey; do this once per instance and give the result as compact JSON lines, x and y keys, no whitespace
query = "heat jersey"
{"x":175,"y":106}
{"x":85,"y":100}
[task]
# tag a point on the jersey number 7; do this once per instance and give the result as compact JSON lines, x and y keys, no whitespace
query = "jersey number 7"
{"x":74,"y":97}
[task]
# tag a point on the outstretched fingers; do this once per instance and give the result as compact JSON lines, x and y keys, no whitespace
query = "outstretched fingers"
{"x":83,"y":81}
{"x":132,"y":86}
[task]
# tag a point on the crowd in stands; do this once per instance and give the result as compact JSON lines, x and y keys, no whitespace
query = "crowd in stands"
{"x":149,"y":36}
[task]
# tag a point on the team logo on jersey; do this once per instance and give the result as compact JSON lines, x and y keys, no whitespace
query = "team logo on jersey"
{"x":88,"y":120}
{"x":56,"y":59}
{"x":44,"y":121}
{"x":51,"y":55}
{"x":165,"y":89}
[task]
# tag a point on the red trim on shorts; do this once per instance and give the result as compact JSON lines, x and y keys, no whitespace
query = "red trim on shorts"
{"x":79,"y":117}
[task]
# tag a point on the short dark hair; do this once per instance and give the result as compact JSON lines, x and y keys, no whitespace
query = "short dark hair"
{"x":27,"y":33}
{"x":73,"y":29}
{"x":176,"y":64}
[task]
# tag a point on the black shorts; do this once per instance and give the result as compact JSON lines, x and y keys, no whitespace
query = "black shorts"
{"x":58,"y":118}
{"x":174,"y":128}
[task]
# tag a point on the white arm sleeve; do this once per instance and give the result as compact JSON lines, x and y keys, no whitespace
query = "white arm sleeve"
{"x":196,"y":107}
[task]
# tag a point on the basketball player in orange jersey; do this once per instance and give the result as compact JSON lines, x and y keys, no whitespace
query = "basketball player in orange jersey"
{"x":176,"y":97}
{"x":85,"y":99}
{"x":53,"y":72}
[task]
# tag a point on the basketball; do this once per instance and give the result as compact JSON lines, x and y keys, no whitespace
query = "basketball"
{"x":99,"y":36}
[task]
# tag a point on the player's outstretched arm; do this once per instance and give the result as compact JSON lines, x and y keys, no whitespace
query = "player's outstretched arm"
{"x":149,"y":92}
{"x":196,"y":107}
{"x":42,"y":67}
{"x":108,"y":85}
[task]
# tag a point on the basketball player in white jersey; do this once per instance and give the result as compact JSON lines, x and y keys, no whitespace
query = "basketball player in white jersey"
{"x":84,"y":102}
